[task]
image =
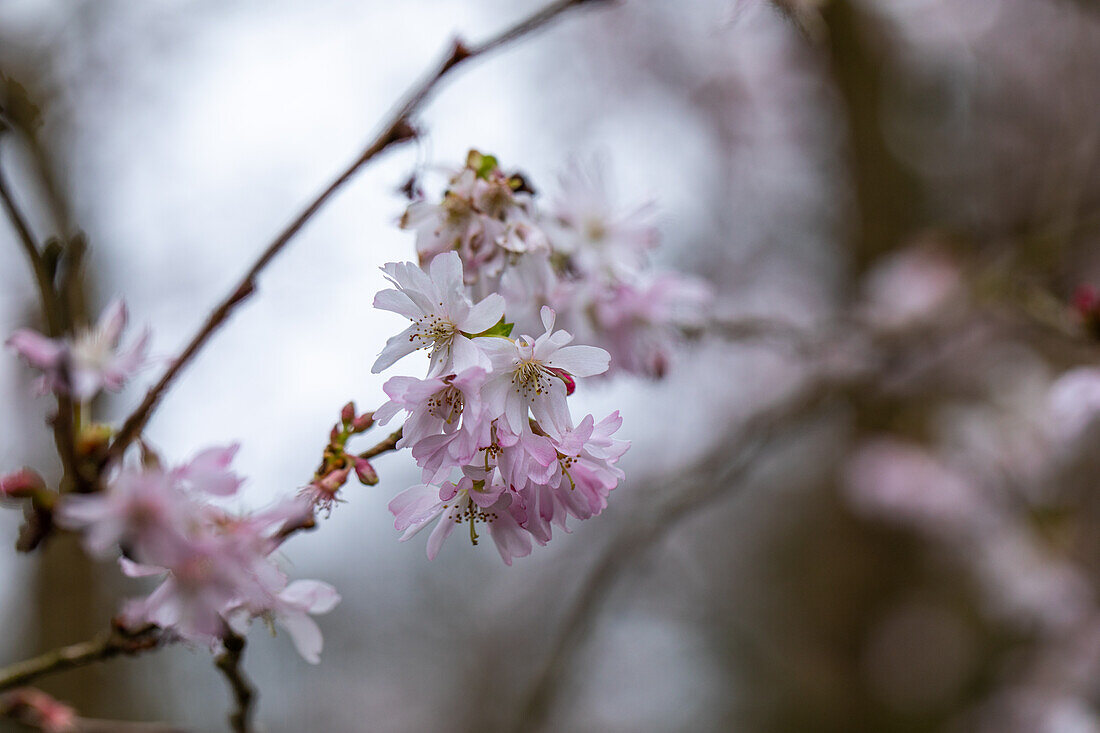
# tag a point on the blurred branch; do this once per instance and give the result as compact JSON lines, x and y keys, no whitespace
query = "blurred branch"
{"x":396,"y":128}
{"x":244,"y":695}
{"x":773,"y":331}
{"x":385,"y":446}
{"x":888,"y":195}
{"x":95,"y":725}
{"x":116,"y":643}
{"x":37,"y":710}
{"x":62,"y":422}
{"x":720,"y":476}
{"x":886,"y":366}
{"x":30,"y":247}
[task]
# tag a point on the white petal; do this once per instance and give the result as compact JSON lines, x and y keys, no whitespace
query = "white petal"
{"x":494,"y":394}
{"x":305,"y":634}
{"x":112,"y":321}
{"x":467,"y":356}
{"x":484,"y":315}
{"x":398,"y":346}
{"x":132,"y":569}
{"x":548,"y":316}
{"x":581,"y":361}
{"x":397,"y":302}
{"x":312,"y":595}
{"x":439,"y":535}
{"x":446,"y":271}
{"x":416,"y":505}
{"x":515,"y":411}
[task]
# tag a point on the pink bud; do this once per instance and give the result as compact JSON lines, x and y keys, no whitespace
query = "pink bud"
{"x":334,"y":434}
{"x":366,"y":473}
{"x":23,"y":484}
{"x":334,"y":480}
{"x":570,"y":382}
{"x":363,"y":422}
{"x":1086,"y":300}
{"x":38,"y":710}
{"x":348,"y":413}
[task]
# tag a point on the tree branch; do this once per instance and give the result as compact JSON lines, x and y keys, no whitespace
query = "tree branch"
{"x":385,"y":446}
{"x":116,"y":643}
{"x":62,"y":422}
{"x":244,"y":695}
{"x":396,"y":128}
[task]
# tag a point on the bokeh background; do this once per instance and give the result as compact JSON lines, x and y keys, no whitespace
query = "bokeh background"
{"x":911,"y":187}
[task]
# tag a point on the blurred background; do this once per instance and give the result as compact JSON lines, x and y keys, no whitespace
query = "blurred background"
{"x":878,"y":517}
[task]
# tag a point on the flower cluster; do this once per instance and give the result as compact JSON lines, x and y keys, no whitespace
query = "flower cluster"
{"x":489,"y":425}
{"x":92,"y":361}
{"x":217,"y":566}
{"x":581,"y":256}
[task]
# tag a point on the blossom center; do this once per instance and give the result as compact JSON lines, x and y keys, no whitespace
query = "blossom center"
{"x":447,"y":405}
{"x":91,"y":350}
{"x":531,"y":377}
{"x":435,"y":329}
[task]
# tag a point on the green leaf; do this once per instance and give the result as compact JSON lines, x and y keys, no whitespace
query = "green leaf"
{"x":502,"y":329}
{"x":482,"y":165}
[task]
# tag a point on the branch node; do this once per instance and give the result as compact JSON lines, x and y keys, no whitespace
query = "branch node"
{"x":459,"y":53}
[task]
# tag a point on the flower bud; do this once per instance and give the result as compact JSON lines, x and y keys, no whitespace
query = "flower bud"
{"x":570,"y":382}
{"x":334,"y":435}
{"x":366,"y":473}
{"x":22,"y":484}
{"x":348,"y":413}
{"x":334,"y":480}
{"x":92,"y":439}
{"x":362,"y":423}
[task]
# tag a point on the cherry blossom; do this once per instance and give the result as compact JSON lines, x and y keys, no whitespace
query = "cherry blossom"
{"x":88,"y":363}
{"x":217,"y":568}
{"x":529,"y":374}
{"x":443,"y":317}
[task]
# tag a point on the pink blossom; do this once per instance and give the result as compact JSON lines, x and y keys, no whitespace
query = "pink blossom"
{"x":217,"y":568}
{"x":292,"y":610}
{"x":523,"y":376}
{"x":445,"y":404}
{"x":598,"y":236}
{"x":458,"y":503}
{"x":141,"y":509}
{"x":89,"y":362}
{"x":443,"y":317}
{"x":641,"y":323}
{"x":209,"y":472}
{"x":485,"y":216}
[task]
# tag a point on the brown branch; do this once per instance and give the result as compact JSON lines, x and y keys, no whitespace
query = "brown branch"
{"x":244,"y":695}
{"x":30,"y":247}
{"x":390,"y":443}
{"x":396,"y":128}
{"x":116,"y":643}
{"x":62,"y":422}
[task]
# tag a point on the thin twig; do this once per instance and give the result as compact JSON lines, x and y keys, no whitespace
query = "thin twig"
{"x":30,"y":247}
{"x":244,"y":695}
{"x":62,"y":422}
{"x":115,"y":643}
{"x":390,"y":443}
{"x":396,"y":128}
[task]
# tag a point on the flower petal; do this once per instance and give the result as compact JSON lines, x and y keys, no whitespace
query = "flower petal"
{"x":581,"y":361}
